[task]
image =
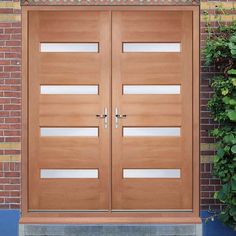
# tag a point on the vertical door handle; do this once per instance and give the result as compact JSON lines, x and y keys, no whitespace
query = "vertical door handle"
{"x":117,"y":117}
{"x":105,"y":117}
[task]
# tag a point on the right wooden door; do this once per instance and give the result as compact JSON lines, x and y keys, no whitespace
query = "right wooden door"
{"x":152,"y":94}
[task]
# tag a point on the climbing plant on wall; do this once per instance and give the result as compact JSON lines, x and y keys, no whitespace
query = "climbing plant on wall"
{"x":220,"y":51}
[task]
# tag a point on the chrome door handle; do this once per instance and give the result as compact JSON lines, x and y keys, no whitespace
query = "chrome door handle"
{"x":101,"y":116}
{"x":105,"y":117}
{"x":117,"y":117}
{"x":121,"y":116}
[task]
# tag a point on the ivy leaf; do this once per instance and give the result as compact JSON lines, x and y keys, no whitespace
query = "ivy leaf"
{"x":216,"y":159}
{"x":224,"y":91}
{"x":232,"y":115}
{"x":233,"y":183}
{"x":229,"y":138}
{"x":232,"y":211}
{"x":233,"y":149}
{"x":215,"y":132}
{"x":232,"y":102}
{"x":226,"y":100}
{"x":232,"y":72}
{"x":224,"y":217}
{"x":234,"y":81}
{"x":233,"y":140}
{"x":215,"y":195}
{"x":220,"y":152}
{"x":234,"y":201}
{"x":232,"y":46}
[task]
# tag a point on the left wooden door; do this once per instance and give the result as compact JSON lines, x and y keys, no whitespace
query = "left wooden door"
{"x":69,"y":94}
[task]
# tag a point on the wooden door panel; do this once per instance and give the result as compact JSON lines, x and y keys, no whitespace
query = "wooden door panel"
{"x":71,"y":26}
{"x":111,"y":152}
{"x":61,"y":68}
{"x":69,"y":193}
{"x":67,"y":152}
{"x":148,"y":26}
{"x":152,"y":115}
{"x":143,"y":68}
{"x":61,"y":153}
{"x":151,"y":110}
{"x":70,"y":110}
{"x":145,"y":154}
{"x":147,"y":194}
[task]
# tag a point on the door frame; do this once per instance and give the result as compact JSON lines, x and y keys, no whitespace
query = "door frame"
{"x":111,"y":217}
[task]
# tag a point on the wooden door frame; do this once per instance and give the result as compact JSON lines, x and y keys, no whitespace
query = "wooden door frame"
{"x":91,"y":218}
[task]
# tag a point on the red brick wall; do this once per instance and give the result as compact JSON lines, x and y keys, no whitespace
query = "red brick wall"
{"x":10,"y":109}
{"x":10,"y":105}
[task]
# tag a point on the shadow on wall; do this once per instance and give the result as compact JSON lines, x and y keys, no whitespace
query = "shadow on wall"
{"x":215,"y":228}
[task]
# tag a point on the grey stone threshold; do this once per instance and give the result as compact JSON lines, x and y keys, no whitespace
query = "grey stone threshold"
{"x":111,"y":230}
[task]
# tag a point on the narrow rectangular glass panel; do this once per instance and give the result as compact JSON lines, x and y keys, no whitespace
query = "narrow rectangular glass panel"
{"x":151,"y":47}
{"x":151,"y":173}
{"x":151,"y":89}
{"x":69,"y":132}
{"x":69,"y":89}
{"x":68,"y":174}
{"x":69,"y":47}
{"x":151,"y":132}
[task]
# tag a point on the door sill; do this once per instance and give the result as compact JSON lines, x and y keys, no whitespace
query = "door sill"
{"x":109,"y":220}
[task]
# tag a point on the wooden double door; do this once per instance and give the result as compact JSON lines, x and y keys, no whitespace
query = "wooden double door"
{"x":110,"y":111}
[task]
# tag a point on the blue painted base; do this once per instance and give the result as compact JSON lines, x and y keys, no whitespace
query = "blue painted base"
{"x":9,"y":222}
{"x":9,"y":225}
{"x":215,"y":228}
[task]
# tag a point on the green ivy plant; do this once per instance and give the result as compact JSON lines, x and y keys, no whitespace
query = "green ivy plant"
{"x":220,"y":51}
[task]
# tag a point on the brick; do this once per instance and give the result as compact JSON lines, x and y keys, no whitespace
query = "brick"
{"x":14,"y":206}
{"x":4,"y":113}
{"x":15,"y":194}
{"x":9,"y":88}
{"x":4,"y":10}
{"x":12,"y":139}
{"x":4,"y":193}
{"x":14,"y":181}
{"x":13,"y":81}
{"x":12,"y":200}
{"x":12,"y":187}
{"x":11,"y":68}
{"x":5,"y":37}
{"x":11,"y":133}
{"x":4,"y":75}
{"x":13,"y":43}
{"x":15,"y":113}
{"x":12,"y":107}
{"x":12,"y":94}
{"x":5,"y":24}
{"x":5,"y":62}
{"x":13,"y":30}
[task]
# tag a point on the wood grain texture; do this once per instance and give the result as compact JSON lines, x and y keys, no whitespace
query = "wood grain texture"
{"x":68,"y":110}
{"x":153,"y":110}
{"x":50,"y":71}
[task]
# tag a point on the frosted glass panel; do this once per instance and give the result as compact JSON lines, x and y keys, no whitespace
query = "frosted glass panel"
{"x":151,"y":47}
{"x":151,"y":131}
{"x":68,"y":174}
{"x":69,"y":89}
{"x":151,"y":89}
{"x":151,"y":173}
{"x":71,"y":132}
{"x":69,"y":47}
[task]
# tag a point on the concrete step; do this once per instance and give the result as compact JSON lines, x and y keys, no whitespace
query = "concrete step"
{"x":111,"y":230}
